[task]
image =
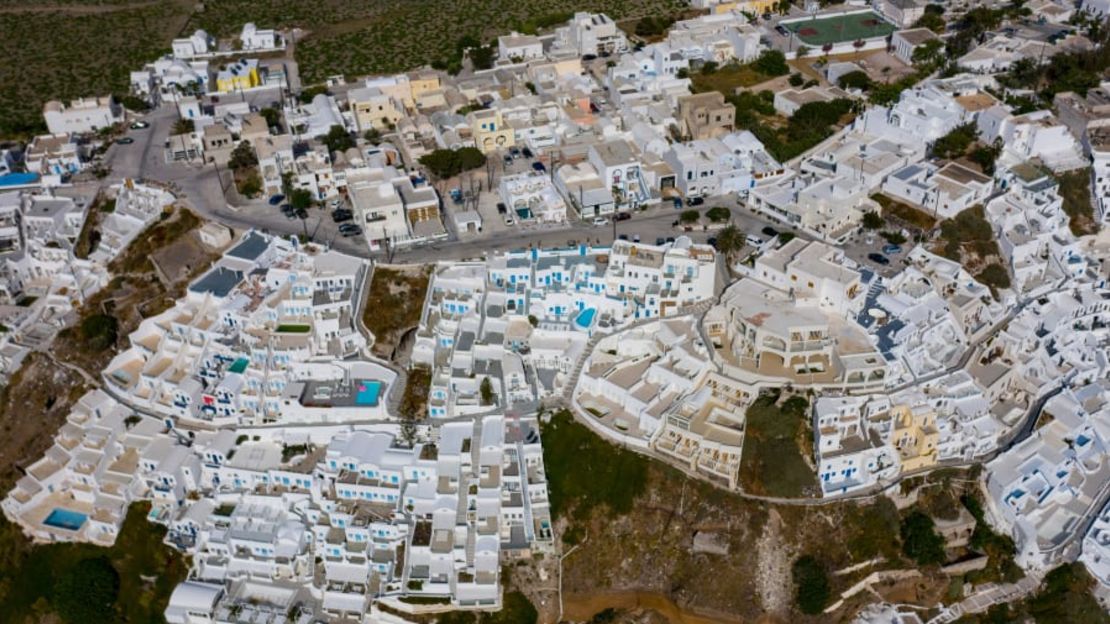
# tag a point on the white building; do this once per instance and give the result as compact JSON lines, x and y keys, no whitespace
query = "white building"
{"x":81,"y":115}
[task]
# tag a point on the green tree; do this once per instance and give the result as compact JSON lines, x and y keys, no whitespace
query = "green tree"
{"x":301,"y":199}
{"x":689,"y":216}
{"x":250,"y":185}
{"x":772,"y":63}
{"x":87,"y":592}
{"x":486,"y":389}
{"x":920,"y":541}
{"x":242,"y":157}
{"x":796,"y":80}
{"x":373,"y":135}
{"x":931,"y":20}
{"x":338,"y":139}
{"x":718,"y":214}
{"x":445,"y":163}
{"x":730,"y":240}
{"x":183,"y":126}
{"x":956,"y":142}
{"x":811,"y":585}
{"x":99,"y":331}
{"x":928,"y":54}
{"x":272,"y":116}
{"x":855,"y":80}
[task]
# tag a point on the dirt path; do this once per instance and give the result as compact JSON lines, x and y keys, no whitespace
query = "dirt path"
{"x":773,"y":581}
{"x":582,"y":607}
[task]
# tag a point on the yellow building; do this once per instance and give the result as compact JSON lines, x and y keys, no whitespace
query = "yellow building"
{"x":751,"y":7}
{"x":374,"y":109}
{"x":423,"y":82}
{"x":238,"y":76}
{"x":915,"y":437}
{"x":490,"y":131}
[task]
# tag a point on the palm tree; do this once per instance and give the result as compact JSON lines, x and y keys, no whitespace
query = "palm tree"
{"x":729,"y":241}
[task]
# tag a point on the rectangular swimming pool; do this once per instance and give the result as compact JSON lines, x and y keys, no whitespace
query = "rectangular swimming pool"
{"x":62,"y":518}
{"x":368,"y":392}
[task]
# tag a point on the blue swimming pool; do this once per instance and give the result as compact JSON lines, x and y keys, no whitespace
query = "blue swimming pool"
{"x":65,"y":519}
{"x":368,"y":392}
{"x":18,"y":179}
{"x":586,"y":318}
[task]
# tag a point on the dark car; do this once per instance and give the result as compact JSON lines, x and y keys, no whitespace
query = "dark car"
{"x":770,"y":231}
{"x":276,"y":199}
{"x":302,"y":213}
{"x":527,"y":153}
{"x":538,"y":166}
{"x":670,"y":239}
{"x":514,"y":152}
{"x":508,"y":160}
{"x":660,"y":241}
{"x":341,"y":215}
{"x":354,"y":230}
{"x":623,"y":216}
{"x":677,"y":203}
{"x":712,"y":241}
{"x":502,"y":208}
{"x":695,"y":201}
{"x":878,"y":258}
{"x":589,"y":57}
{"x":892,"y":249}
{"x":125,"y":141}
{"x":288,"y":211}
{"x":623,"y":237}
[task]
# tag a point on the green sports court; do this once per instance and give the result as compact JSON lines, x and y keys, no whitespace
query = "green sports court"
{"x":841,"y":28}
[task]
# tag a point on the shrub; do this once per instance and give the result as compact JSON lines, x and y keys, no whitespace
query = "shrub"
{"x":445,"y":163}
{"x":811,"y":585}
{"x":689,"y":216}
{"x":772,"y":63}
{"x":717,"y":214}
{"x":87,"y":592}
{"x":855,"y":80}
{"x":920,"y":541}
{"x":99,"y":331}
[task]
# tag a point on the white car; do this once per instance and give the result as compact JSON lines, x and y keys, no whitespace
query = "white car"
{"x":600,"y":220}
{"x":509,"y":219}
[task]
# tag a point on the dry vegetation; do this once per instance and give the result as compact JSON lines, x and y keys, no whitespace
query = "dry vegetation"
{"x":394,"y":303}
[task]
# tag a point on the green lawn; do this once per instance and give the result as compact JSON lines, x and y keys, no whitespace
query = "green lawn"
{"x":293,"y":328}
{"x":776,"y":443}
{"x":28,"y":574}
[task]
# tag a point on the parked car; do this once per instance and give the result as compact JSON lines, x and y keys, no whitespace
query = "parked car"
{"x":623,"y":237}
{"x":509,"y":219}
{"x":754,"y":241}
{"x":623,"y":216}
{"x":526,"y":152}
{"x":892,"y":249}
{"x":354,"y":230}
{"x":538,"y":166}
{"x":677,"y":203}
{"x":770,"y":231}
{"x":276,"y":199}
{"x":670,"y":239}
{"x":508,"y":160}
{"x":501,"y":208}
{"x":712,"y":241}
{"x":341,"y":215}
{"x":695,"y":201}
{"x":660,"y":241}
{"x":125,"y":141}
{"x":302,"y":213}
{"x":514,"y":152}
{"x":140,"y":125}
{"x":600,"y":221}
{"x":288,"y":211}
{"x":878,"y":258}
{"x":635,"y":238}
